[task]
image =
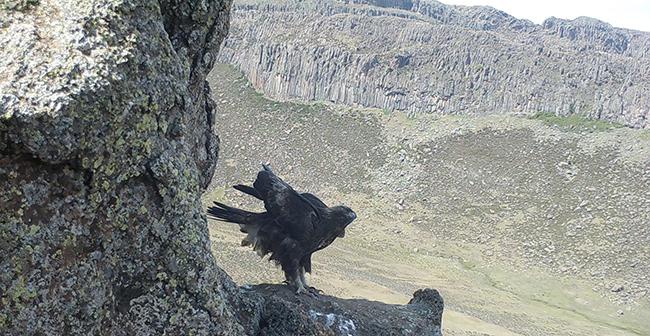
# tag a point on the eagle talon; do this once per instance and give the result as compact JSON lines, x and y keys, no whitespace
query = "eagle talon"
{"x":307,"y":291}
{"x":301,"y":290}
{"x":315,"y":291}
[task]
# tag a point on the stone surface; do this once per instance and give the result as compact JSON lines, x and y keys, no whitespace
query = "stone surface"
{"x":286,"y":313}
{"x":428,"y":57}
{"x":106,"y":144}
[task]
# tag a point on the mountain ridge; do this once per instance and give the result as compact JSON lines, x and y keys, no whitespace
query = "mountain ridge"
{"x":441,"y":59}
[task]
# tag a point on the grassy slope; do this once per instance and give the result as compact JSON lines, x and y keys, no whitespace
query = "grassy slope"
{"x":523,"y":224}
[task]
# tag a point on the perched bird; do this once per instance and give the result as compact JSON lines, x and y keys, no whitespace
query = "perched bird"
{"x":293,"y":227}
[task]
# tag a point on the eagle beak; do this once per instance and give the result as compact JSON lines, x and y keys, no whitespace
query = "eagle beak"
{"x":352,"y":215}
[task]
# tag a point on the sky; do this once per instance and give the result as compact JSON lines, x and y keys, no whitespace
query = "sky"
{"x":632,"y":14}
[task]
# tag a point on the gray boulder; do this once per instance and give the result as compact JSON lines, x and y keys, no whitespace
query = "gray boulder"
{"x":106,"y":144}
{"x":285,"y":313}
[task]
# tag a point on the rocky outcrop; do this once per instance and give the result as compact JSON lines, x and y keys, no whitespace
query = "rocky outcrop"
{"x":428,"y":57}
{"x":106,"y":144}
{"x":288,"y":314}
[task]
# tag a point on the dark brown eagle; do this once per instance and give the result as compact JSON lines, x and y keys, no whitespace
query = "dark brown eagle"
{"x":293,"y":227}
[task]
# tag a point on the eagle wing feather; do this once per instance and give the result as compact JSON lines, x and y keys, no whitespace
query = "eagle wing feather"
{"x":293,"y":212}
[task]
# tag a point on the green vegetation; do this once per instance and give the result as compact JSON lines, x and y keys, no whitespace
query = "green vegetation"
{"x":575,"y":123}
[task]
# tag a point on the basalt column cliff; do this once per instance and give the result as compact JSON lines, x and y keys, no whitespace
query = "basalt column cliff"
{"x":428,"y":57}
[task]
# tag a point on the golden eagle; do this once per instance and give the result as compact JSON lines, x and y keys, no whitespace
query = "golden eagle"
{"x":293,"y":227}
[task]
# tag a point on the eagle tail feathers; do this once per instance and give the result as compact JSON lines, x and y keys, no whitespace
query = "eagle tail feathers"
{"x":249,"y":190}
{"x":226,"y":213}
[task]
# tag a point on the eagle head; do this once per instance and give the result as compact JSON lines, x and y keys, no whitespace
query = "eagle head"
{"x":342,"y":216}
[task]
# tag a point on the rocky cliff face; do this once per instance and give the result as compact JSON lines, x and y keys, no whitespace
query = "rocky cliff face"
{"x":106,"y":144}
{"x":428,"y":57}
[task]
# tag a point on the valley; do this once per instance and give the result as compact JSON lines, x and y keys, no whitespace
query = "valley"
{"x":527,"y":224}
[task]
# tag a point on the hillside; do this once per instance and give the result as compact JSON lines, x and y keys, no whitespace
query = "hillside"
{"x":527,"y":225}
{"x":428,"y":57}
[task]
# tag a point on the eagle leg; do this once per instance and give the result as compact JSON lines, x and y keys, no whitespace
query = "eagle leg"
{"x":296,"y":280}
{"x":302,"y":277}
{"x":292,"y":279}
{"x":302,"y":290}
{"x":310,"y":290}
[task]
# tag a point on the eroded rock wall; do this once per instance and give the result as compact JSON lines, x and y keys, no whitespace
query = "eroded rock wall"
{"x":428,"y":57}
{"x":106,"y":144}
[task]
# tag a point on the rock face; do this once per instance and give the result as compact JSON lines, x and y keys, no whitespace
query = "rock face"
{"x":428,"y":57}
{"x":288,"y":314}
{"x":106,"y":144}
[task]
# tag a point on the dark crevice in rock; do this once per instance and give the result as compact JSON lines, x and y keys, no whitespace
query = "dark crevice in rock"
{"x":124,"y":295}
{"x":87,"y":175}
{"x":150,"y":178}
{"x":211,"y":139}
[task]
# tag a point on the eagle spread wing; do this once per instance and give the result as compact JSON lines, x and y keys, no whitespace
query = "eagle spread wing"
{"x":294,"y":225}
{"x":291,"y":210}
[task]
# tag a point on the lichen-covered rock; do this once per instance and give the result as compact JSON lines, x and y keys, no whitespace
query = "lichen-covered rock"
{"x":429,"y":57}
{"x":106,"y":144}
{"x":288,"y":314}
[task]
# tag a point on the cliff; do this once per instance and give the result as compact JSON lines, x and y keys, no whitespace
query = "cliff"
{"x":428,"y":57}
{"x":106,"y":145}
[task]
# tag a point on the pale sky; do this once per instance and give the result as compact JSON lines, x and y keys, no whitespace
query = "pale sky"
{"x":632,"y":14}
